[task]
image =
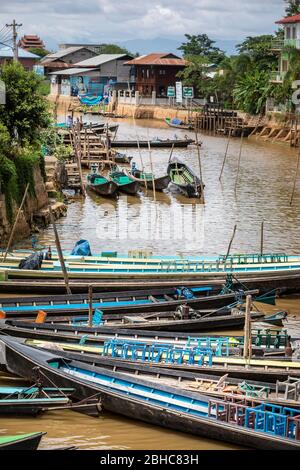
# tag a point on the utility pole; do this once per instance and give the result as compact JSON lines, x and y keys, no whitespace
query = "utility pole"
{"x":14,"y":26}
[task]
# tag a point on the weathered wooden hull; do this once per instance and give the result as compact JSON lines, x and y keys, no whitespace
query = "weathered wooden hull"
{"x":112,"y":303}
{"x":20,"y":362}
{"x":30,"y":442}
{"x":154,"y":144}
{"x":107,"y":189}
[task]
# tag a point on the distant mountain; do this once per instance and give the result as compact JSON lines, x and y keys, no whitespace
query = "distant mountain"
{"x":145,"y":46}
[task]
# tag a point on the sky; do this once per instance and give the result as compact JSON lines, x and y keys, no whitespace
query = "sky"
{"x":98,"y":21}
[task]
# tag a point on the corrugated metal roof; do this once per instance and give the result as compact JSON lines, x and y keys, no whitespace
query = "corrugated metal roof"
{"x":100,"y":59}
{"x":8,"y":53}
{"x":158,"y":59}
{"x":73,"y":71}
{"x":289,"y":19}
{"x":64,"y":52}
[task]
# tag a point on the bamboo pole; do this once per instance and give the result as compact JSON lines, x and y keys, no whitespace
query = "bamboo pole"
{"x":15,"y":223}
{"x":151,"y":166}
{"x":171,"y":153}
{"x":226,"y":154}
{"x":60,"y":253}
{"x":262,"y":238}
{"x":78,"y":156}
{"x":90,"y":296}
{"x":200,"y":168}
{"x":295,"y":180}
{"x":231,"y":242}
{"x":247,"y":329}
{"x":239,"y":163}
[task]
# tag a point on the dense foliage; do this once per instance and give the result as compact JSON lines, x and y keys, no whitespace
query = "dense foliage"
{"x":242,"y":80}
{"x":22,"y":120}
{"x":293,"y":7}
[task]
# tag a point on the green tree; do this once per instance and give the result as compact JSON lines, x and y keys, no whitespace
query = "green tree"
{"x":259,"y":51}
{"x":26,"y":111}
{"x":39,"y":51}
{"x":113,"y":49}
{"x":201,"y":45}
{"x":252,"y":90}
{"x":292,"y":8}
{"x":196,"y":74}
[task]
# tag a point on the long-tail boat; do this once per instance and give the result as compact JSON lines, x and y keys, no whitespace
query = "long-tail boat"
{"x":152,"y":300}
{"x":31,"y":406}
{"x":159,"y":404}
{"x":149,"y":180}
{"x":124,"y":182}
{"x":184,"y":179}
{"x":99,"y":184}
{"x":75,"y":331}
{"x":21,"y":441}
{"x":178,"y":124}
{"x":155,"y":143}
{"x":212,"y":385}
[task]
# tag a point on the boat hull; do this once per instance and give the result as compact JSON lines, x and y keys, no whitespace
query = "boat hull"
{"x":24,"y":443}
{"x":22,"y":364}
{"x":106,"y":189}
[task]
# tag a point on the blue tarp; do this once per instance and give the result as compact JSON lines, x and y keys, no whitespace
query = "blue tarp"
{"x":176,"y":121}
{"x":82,"y":248}
{"x":90,"y":100}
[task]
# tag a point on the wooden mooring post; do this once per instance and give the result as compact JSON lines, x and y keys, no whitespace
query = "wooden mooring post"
{"x":15,"y":223}
{"x":247,"y":329}
{"x":295,"y":180}
{"x":90,"y":296}
{"x":60,"y":253}
{"x":231,"y":242}
{"x":226,"y":154}
{"x":239,"y":163}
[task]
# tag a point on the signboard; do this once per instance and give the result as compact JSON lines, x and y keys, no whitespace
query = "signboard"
{"x":188,"y":92}
{"x":39,"y":70}
{"x":178,"y":92}
{"x":171,"y":92}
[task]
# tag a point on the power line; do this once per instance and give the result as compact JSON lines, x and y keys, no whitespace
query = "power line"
{"x":14,"y":26}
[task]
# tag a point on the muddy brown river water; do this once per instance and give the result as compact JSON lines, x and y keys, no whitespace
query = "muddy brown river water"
{"x":131,"y":223}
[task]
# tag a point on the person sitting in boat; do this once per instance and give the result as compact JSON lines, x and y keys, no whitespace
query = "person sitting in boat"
{"x":69,"y":121}
{"x":133,"y":167}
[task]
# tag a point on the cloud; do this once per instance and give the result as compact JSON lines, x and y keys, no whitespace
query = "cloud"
{"x":114,"y":20}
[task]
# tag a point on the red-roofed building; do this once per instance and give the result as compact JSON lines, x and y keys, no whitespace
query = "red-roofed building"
{"x":31,"y":41}
{"x":291,"y":28}
{"x":156,"y":72}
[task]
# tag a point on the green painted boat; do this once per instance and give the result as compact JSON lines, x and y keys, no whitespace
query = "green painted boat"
{"x":21,"y":442}
{"x":99,"y":184}
{"x":125,"y":183}
{"x":148,"y":179}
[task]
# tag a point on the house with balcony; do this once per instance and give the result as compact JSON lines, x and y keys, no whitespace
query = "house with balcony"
{"x":291,"y":30}
{"x":155,"y":73}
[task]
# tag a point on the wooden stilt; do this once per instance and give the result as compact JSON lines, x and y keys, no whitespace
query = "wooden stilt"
{"x":151,"y":166}
{"x":60,"y":253}
{"x":15,"y":223}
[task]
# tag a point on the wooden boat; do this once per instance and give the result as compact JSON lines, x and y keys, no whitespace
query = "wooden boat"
{"x":97,"y":336}
{"x":102,"y":129}
{"x":168,"y":143}
{"x":31,"y":406}
{"x":152,"y":300}
{"x":212,"y":385}
{"x":33,"y":391}
{"x":158,"y":404}
{"x":184,"y":179}
{"x":180,"y":125}
{"x":277,"y":319}
{"x":21,"y":441}
{"x":124,"y":182}
{"x":147,"y":180}
{"x":101,"y":185}
{"x":121,"y":158}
